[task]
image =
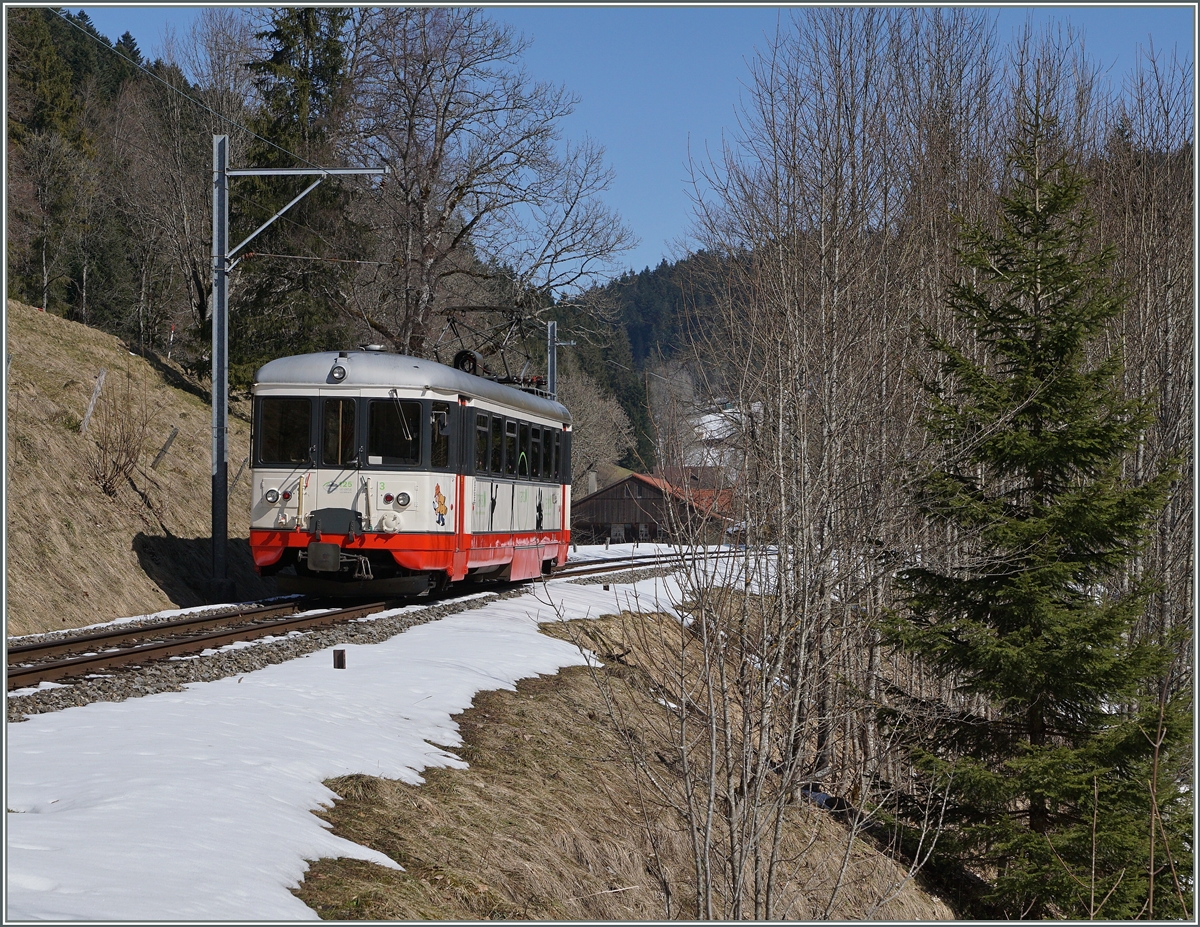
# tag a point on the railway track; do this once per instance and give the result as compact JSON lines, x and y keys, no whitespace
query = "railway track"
{"x":84,"y":654}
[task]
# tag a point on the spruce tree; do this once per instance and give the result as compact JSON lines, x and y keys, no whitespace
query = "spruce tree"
{"x":294,"y":303}
{"x":1028,"y":608}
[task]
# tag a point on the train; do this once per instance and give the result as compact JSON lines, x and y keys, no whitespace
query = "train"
{"x":380,"y":474}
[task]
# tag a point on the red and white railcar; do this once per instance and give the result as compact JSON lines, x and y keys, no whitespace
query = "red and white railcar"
{"x":377,"y":473}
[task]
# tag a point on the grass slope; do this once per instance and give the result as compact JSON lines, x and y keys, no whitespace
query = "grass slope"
{"x":74,"y":554}
{"x":551,"y":822}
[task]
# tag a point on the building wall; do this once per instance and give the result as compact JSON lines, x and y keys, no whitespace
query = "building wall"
{"x":616,"y":506}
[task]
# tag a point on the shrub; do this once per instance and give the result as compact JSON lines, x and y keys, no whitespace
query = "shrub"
{"x":118,"y":432}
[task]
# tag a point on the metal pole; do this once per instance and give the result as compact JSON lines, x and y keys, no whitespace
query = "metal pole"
{"x":552,"y":358}
{"x":221,"y":588}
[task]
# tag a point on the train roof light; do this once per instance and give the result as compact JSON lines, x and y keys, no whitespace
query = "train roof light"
{"x":338,"y":372}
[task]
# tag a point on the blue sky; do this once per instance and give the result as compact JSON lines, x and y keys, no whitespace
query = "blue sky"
{"x":656,"y":81}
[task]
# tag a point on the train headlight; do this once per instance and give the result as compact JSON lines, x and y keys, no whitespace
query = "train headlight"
{"x":272,"y":496}
{"x":338,"y":372}
{"x":402,"y":499}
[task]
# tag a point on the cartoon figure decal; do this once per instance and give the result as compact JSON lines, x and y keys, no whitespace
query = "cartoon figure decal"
{"x":539,"y":510}
{"x":439,"y":504}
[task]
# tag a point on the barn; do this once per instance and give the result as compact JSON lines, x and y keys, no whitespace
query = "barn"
{"x":649,"y":508}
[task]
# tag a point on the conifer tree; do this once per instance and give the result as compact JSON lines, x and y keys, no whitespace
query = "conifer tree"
{"x":289,"y":305}
{"x":1028,"y":610}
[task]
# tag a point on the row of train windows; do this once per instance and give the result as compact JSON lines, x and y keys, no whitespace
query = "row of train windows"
{"x":397,"y":433}
{"x":512,"y":448}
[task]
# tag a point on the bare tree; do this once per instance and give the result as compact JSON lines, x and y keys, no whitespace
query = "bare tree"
{"x":485,"y":205}
{"x":1144,"y":199}
{"x":857,"y":141}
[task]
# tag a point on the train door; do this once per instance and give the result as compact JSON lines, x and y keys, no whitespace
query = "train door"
{"x":340,"y":493}
{"x":464,"y":449}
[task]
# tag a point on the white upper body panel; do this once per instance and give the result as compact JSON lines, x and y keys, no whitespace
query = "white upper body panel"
{"x":367,"y":370}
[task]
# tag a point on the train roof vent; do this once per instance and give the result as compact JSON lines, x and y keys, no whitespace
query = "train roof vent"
{"x":376,"y":348}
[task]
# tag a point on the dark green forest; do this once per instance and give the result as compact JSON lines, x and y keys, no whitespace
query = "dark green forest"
{"x":942,"y":288}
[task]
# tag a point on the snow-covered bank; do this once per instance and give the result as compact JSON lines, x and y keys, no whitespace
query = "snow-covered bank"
{"x":196,"y":805}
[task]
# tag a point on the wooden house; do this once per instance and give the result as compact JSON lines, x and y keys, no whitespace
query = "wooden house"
{"x":648,"y":508}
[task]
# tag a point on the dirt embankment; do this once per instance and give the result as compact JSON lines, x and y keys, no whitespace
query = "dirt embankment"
{"x":75,"y":554}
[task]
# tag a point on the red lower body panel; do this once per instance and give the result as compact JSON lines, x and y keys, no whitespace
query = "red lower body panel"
{"x":432,"y":552}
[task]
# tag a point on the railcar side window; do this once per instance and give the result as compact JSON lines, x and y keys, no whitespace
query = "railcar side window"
{"x":481,"y":443}
{"x":548,"y":455}
{"x":535,"y":453}
{"x":510,"y":448}
{"x":558,"y":456}
{"x":497,"y":445}
{"x":523,"y":452}
{"x":394,"y":437}
{"x":439,"y":448}
{"x":283,"y":427}
{"x":337,"y":433}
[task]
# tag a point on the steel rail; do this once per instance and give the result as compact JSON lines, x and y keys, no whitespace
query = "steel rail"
{"x":20,"y":676}
{"x":22,"y":653}
{"x":613,"y":566}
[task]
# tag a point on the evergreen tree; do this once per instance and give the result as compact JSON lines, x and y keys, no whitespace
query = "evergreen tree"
{"x":1054,"y":784}
{"x":39,"y":82}
{"x":287,"y":305}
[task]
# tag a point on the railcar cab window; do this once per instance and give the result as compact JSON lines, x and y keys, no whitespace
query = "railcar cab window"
{"x":394,"y":433}
{"x":337,"y":433}
{"x":284,"y":431}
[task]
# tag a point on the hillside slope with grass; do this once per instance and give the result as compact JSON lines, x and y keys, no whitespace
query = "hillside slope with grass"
{"x":78,"y":554}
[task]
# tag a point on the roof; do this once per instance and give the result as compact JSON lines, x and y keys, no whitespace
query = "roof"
{"x":382,"y":369}
{"x":717,"y":502}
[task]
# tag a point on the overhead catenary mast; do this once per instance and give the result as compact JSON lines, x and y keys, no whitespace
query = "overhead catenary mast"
{"x":221,"y":587}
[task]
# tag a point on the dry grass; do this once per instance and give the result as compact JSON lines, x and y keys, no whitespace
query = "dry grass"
{"x":550,"y":822}
{"x":76,"y":555}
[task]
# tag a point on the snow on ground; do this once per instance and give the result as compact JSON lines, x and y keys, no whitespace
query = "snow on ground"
{"x":197,"y":805}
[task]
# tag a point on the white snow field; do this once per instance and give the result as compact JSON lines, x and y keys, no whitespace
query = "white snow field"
{"x":197,"y":805}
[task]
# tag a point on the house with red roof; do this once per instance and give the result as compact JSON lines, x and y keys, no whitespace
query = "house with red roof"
{"x":649,"y":508}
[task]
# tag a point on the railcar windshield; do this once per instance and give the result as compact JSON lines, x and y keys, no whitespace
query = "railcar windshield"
{"x":284,"y":431}
{"x":481,"y":443}
{"x":510,"y":447}
{"x":394,"y":433}
{"x":497,"y":444}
